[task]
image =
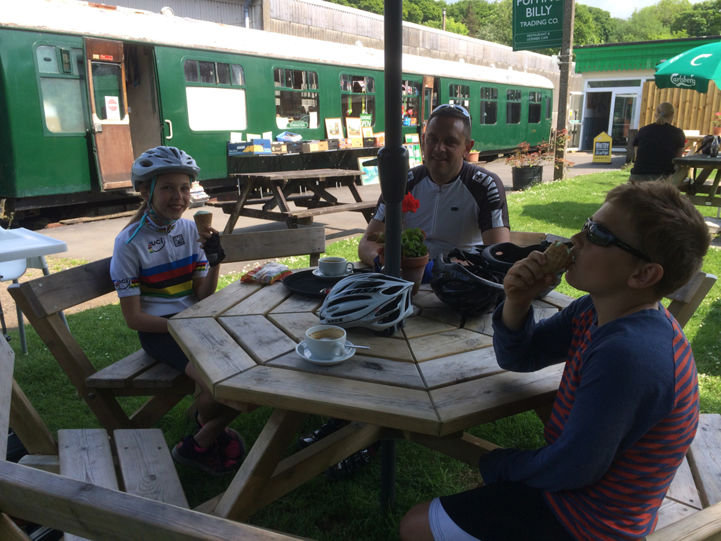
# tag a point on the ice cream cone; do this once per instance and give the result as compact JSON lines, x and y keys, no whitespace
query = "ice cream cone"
{"x":203,"y":219}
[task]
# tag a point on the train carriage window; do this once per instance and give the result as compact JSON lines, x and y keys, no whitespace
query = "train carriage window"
{"x":215,"y":103}
{"x":190,"y":67}
{"x":358,"y":96}
{"x":47,"y":58}
{"x":61,"y":89}
{"x":296,"y":98}
{"x":108,"y":90}
{"x":236,"y":75}
{"x":410,"y":102}
{"x":513,"y":106}
{"x":549,"y":109}
{"x":461,"y":95}
{"x":489,"y":105}
{"x":207,"y":72}
{"x":223,"y":71}
{"x":213,"y":73}
{"x":534,"y":107}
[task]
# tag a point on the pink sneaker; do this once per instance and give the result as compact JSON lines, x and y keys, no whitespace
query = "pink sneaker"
{"x":231,"y":444}
{"x":209,"y":460}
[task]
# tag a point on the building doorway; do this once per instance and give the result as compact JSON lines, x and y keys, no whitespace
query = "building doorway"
{"x":595,"y":116}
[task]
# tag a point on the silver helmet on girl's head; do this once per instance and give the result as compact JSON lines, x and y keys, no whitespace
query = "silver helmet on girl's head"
{"x":371,"y":300}
{"x":159,"y":160}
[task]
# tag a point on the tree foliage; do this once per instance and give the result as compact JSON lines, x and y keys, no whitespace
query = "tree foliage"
{"x":491,"y":20}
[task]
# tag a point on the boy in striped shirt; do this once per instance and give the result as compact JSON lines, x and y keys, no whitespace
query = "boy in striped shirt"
{"x":627,"y":406}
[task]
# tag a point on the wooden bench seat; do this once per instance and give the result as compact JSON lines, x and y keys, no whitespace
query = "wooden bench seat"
{"x":43,"y":299}
{"x":692,"y":506}
{"x":85,"y":500}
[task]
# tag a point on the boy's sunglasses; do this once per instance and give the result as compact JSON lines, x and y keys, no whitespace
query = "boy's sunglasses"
{"x":600,"y":236}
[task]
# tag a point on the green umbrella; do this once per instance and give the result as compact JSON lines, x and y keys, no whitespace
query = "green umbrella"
{"x":691,"y":69}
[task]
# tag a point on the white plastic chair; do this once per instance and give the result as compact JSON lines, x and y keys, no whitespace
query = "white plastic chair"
{"x":12,"y":270}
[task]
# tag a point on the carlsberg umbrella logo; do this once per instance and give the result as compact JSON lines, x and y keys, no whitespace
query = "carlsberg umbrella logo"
{"x":682,"y":81}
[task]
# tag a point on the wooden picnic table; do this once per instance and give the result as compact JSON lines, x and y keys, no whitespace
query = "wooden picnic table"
{"x":428,"y":383}
{"x":702,"y":190}
{"x":307,"y":188}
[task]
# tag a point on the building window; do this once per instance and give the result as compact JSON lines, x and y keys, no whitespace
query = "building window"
{"x":296,"y":98}
{"x":534,"y":107}
{"x":61,"y":71}
{"x":215,"y":97}
{"x":489,"y":105}
{"x":358,"y":98}
{"x":513,"y":106}
{"x":460,"y":95}
{"x":410,"y":102}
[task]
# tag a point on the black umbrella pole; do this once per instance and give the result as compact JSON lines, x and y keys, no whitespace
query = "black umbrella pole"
{"x":393,"y":157}
{"x":393,"y":170}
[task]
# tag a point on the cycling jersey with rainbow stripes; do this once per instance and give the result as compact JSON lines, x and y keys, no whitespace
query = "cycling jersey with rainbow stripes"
{"x":159,"y":264}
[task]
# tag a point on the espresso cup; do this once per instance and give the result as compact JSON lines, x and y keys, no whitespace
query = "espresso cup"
{"x":334,"y":266}
{"x":325,"y":341}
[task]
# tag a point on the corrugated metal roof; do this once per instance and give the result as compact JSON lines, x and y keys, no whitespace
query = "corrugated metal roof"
{"x":633,"y":56}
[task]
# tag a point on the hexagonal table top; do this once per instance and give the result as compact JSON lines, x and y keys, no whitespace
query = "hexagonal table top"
{"x":437,"y":376}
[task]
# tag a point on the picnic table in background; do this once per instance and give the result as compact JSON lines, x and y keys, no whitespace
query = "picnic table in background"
{"x":307,"y":188}
{"x":702,"y":190}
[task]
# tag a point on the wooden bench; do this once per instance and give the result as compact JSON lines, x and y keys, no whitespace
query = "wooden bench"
{"x":692,"y":506}
{"x":260,"y":244}
{"x":84,"y":499}
{"x":43,"y":299}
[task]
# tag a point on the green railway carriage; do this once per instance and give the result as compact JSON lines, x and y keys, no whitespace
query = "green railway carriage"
{"x":85,"y":88}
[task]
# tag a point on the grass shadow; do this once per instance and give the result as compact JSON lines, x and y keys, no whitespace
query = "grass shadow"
{"x":568,"y":215}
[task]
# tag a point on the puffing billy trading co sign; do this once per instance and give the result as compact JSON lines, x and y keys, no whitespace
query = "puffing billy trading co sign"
{"x":537,"y":24}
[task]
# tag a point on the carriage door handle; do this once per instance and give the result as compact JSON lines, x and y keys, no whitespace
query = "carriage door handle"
{"x":170,"y":129}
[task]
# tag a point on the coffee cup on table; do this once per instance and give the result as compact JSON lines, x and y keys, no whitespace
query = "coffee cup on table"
{"x":325,"y":341}
{"x":334,"y":266}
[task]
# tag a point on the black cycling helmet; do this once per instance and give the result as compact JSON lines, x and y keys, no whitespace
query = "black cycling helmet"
{"x":464,"y":281}
{"x":502,"y":255}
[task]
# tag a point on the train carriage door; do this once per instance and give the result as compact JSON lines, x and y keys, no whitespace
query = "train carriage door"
{"x":429,"y":101}
{"x":108,"y":106}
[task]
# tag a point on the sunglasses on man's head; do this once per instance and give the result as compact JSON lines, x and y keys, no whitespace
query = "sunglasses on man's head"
{"x":453,"y":108}
{"x":600,"y":236}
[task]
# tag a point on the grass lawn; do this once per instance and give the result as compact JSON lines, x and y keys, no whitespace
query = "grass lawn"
{"x":348,"y":509}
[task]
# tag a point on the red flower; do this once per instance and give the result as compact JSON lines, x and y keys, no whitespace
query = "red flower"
{"x":410,"y":203}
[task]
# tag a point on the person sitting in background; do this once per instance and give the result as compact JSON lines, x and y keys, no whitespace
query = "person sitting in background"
{"x":627,"y":406}
{"x":461,"y":205}
{"x":658,"y":144}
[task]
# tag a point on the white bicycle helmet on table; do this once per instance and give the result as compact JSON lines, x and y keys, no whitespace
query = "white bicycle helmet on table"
{"x":372,"y":300}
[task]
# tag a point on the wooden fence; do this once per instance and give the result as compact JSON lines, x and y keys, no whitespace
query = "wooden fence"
{"x":694,"y":111}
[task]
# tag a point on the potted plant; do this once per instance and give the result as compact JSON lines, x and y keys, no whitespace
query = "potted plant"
{"x":473,"y":155}
{"x":527,"y":164}
{"x":716,"y":123}
{"x":414,"y":252}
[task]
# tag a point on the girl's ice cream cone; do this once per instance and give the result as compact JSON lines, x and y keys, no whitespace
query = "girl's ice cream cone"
{"x":203,"y":219}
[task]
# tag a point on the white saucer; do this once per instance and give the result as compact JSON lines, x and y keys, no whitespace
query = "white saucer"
{"x":316,"y":272}
{"x":302,"y":350}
